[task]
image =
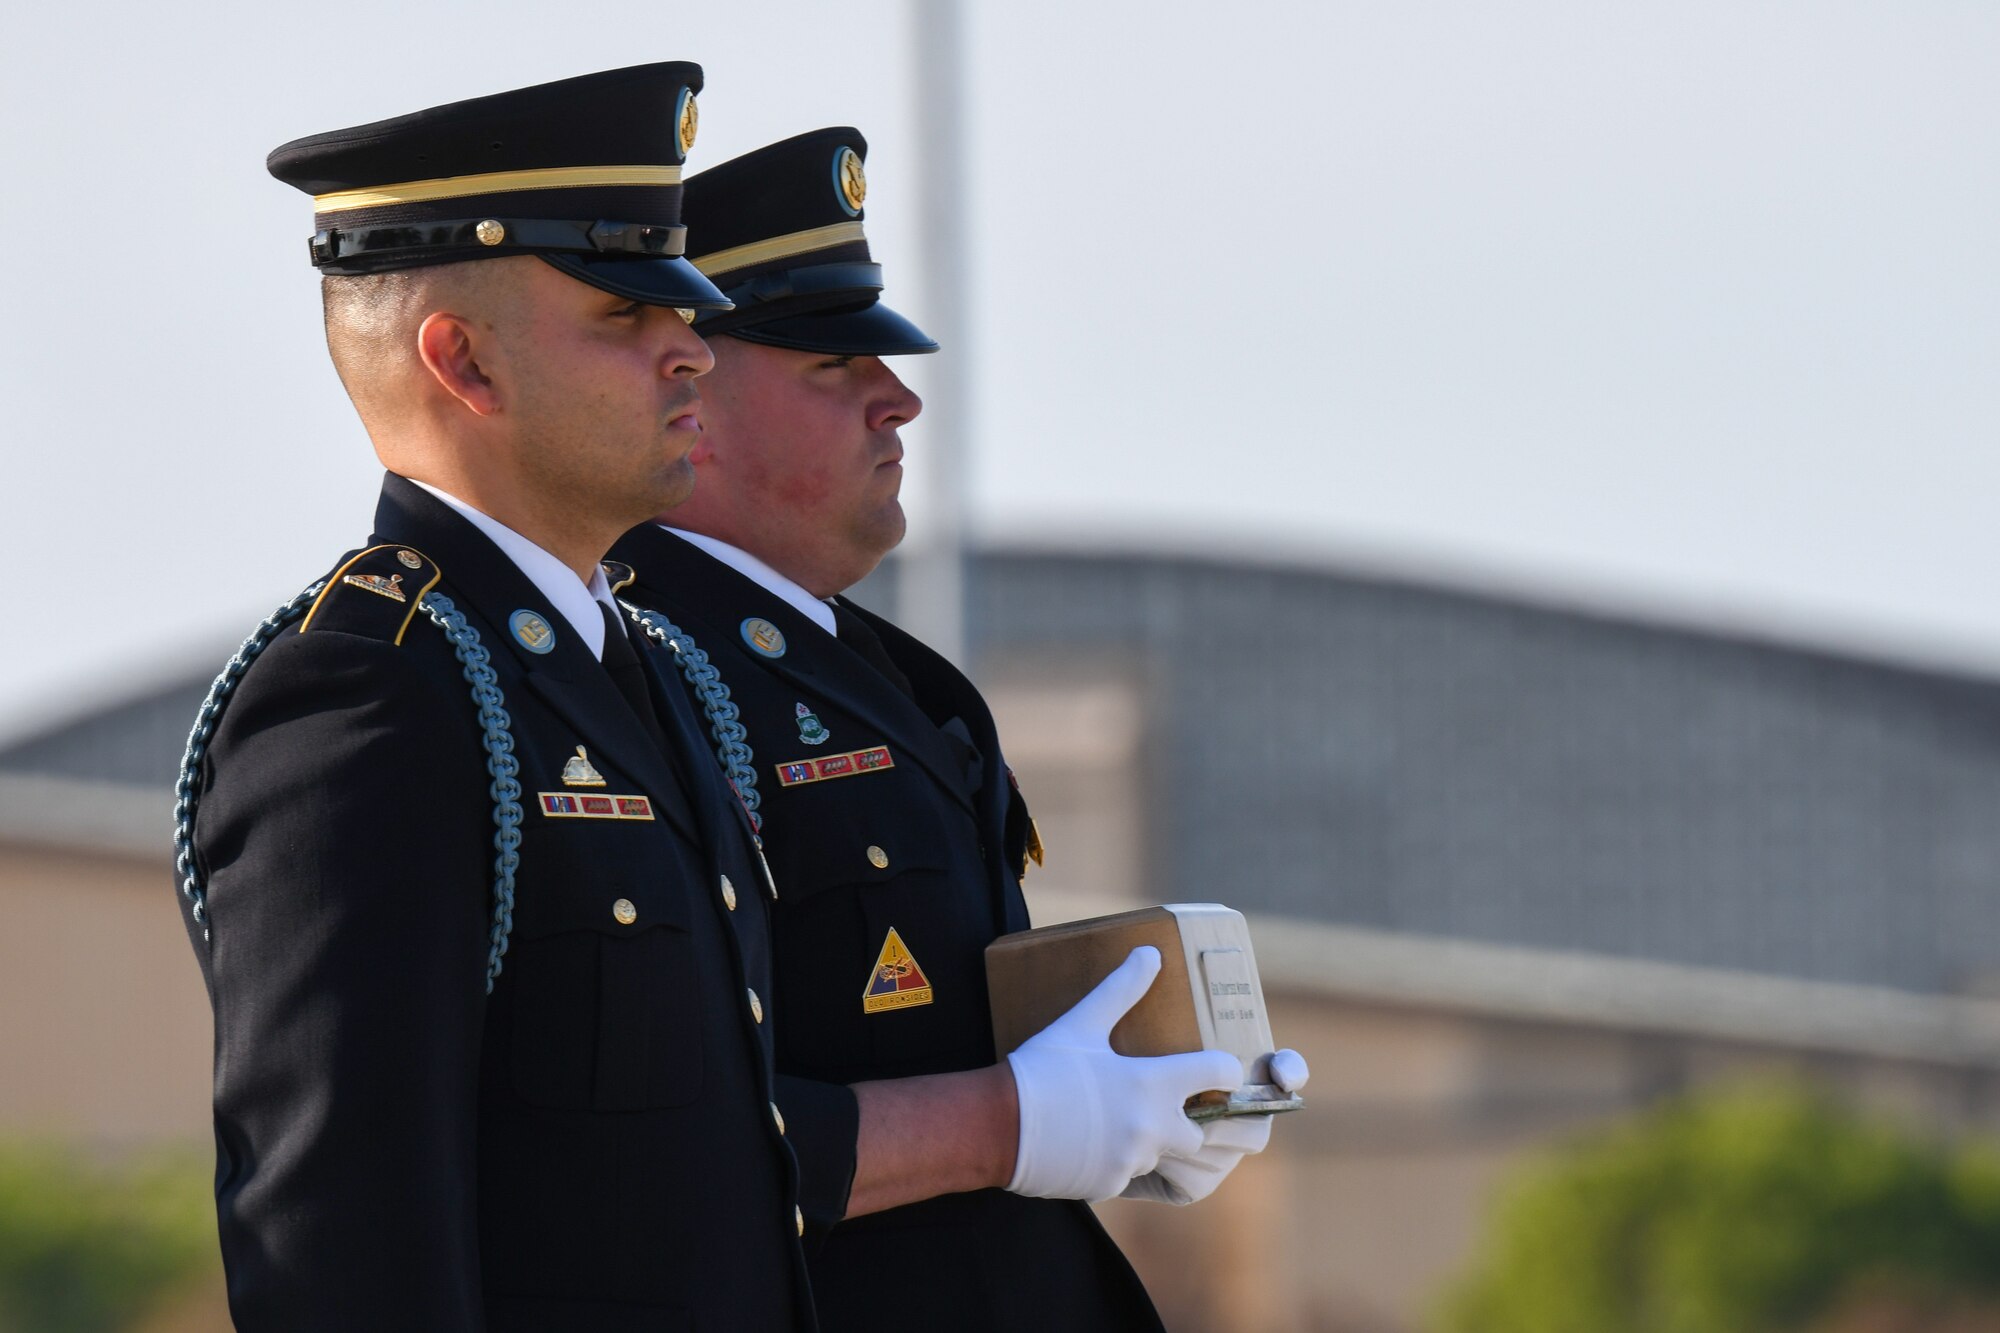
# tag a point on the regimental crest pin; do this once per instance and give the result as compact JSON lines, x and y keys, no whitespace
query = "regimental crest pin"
{"x":897,"y":982}
{"x":763,"y":636}
{"x":578,"y":771}
{"x":391,"y":587}
{"x":810,"y":730}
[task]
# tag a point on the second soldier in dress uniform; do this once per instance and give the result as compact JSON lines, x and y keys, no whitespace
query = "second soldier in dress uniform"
{"x":484,"y":931}
{"x":896,"y":831}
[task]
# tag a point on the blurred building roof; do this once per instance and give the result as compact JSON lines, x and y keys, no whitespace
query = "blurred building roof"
{"x":1378,"y":757}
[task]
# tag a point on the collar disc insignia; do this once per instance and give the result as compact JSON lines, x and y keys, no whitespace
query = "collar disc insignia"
{"x":532,"y":632}
{"x":763,"y":637}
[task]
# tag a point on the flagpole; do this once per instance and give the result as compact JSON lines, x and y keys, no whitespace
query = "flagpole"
{"x":931,"y":570}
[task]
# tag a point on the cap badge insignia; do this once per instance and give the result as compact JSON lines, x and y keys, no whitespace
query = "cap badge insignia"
{"x":687,"y":120}
{"x":410,"y":559}
{"x":810,"y":730}
{"x":850,"y":182}
{"x":390,"y":587}
{"x":532,"y":632}
{"x":491,"y":231}
{"x":578,"y":771}
{"x":897,"y":982}
{"x":853,"y":763}
{"x":568,"y":805}
{"x":763,"y":636}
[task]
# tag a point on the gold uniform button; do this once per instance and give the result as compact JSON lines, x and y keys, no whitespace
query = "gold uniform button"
{"x":756,"y":1007}
{"x":728,"y":893}
{"x":624,"y":912}
{"x":778,"y":1116}
{"x":878,"y":858}
{"x":798,"y":1220}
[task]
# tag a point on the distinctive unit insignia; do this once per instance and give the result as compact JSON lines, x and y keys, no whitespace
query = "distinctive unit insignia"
{"x":897,"y":982}
{"x":534,"y":633}
{"x":390,"y":587}
{"x":577,"y":771}
{"x":687,"y":122}
{"x":810,"y":730}
{"x":568,"y":805}
{"x":763,"y":636}
{"x":849,"y":180}
{"x":835,"y":766}
{"x":410,"y":559}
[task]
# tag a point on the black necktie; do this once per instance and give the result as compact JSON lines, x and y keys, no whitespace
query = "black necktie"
{"x":628,"y":673}
{"x":854,"y":632}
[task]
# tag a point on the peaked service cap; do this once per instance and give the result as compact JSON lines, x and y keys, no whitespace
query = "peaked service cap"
{"x":780,"y":231}
{"x":583,"y":172}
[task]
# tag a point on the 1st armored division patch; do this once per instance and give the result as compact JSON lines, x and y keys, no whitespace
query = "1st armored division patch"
{"x":897,"y":982}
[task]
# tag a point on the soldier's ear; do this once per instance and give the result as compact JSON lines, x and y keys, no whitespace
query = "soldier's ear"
{"x":451,"y":353}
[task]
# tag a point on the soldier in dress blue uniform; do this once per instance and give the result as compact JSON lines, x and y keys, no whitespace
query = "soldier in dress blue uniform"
{"x":484,"y":930}
{"x":896,"y":832}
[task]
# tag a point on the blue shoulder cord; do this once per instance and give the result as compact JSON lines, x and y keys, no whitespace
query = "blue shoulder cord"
{"x":493,"y":722}
{"x":724,"y":719}
{"x":732,"y":746}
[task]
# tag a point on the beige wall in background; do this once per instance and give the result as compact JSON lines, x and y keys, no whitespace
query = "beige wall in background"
{"x":108,"y":1032}
{"x":1366,"y":1204}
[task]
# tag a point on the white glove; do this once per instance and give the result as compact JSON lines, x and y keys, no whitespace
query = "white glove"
{"x":1225,"y":1141}
{"x":1092,"y":1119}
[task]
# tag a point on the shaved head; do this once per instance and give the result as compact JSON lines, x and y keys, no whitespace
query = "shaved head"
{"x":562,"y":410}
{"x":372,"y":322}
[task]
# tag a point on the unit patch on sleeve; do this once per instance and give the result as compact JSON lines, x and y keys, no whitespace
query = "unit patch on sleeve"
{"x":574,"y":805}
{"x":897,"y":982}
{"x":846,"y":765}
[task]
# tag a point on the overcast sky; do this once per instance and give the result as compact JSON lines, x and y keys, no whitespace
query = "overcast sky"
{"x":1689,"y":310}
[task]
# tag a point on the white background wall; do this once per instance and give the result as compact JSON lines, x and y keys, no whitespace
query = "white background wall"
{"x":1686,"y":309}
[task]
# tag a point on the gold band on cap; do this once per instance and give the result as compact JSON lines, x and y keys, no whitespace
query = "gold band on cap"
{"x":492,"y":182}
{"x":778,"y":247}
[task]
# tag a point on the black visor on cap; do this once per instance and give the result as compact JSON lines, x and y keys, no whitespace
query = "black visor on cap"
{"x":873,"y":330}
{"x":672,"y":282}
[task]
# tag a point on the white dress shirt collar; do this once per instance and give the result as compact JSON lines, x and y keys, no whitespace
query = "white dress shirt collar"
{"x":765,"y":577}
{"x":575,"y":600}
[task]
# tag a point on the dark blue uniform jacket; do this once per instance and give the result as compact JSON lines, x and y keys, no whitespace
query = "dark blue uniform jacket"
{"x":930,"y":844}
{"x":593,"y":1146}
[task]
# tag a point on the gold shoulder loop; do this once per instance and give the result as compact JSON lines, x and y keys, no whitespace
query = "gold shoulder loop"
{"x":394,"y":579}
{"x":619,"y":575}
